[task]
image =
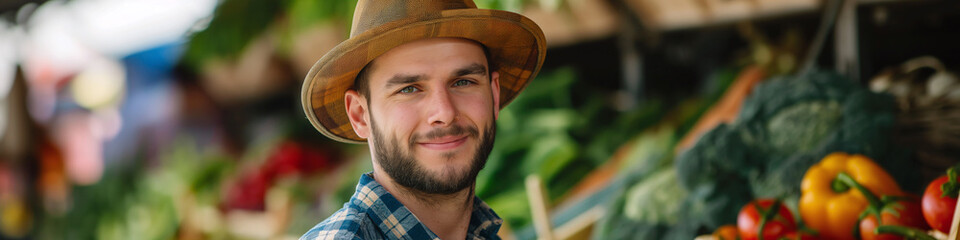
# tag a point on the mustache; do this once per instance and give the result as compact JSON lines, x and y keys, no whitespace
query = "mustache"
{"x":455,"y":130}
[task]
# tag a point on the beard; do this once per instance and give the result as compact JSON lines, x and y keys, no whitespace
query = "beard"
{"x":403,"y":167}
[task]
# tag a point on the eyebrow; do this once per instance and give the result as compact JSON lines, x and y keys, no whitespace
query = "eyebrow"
{"x":401,"y":79}
{"x":471,"y":69}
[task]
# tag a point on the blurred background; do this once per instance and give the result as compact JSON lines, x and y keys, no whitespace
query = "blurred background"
{"x":181,"y":119}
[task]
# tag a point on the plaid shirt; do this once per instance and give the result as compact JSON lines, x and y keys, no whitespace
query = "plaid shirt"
{"x":373,"y":213}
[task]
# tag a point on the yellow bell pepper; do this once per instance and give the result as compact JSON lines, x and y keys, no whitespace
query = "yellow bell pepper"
{"x":831,"y":204}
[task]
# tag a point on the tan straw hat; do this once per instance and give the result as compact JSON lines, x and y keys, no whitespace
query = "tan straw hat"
{"x":516,"y":45}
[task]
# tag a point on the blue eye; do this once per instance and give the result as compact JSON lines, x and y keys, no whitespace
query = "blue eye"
{"x":409,"y":89}
{"x":461,"y":82}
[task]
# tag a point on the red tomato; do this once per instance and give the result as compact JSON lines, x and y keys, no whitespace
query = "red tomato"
{"x":938,"y":210}
{"x":293,"y":158}
{"x":748,"y":221}
{"x":286,"y":160}
{"x":248,"y":192}
{"x":902,"y":213}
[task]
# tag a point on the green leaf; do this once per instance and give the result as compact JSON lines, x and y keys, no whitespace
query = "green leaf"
{"x":550,"y":155}
{"x":951,"y":187}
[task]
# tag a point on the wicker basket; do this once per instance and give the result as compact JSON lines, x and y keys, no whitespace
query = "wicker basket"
{"x":928,"y":97}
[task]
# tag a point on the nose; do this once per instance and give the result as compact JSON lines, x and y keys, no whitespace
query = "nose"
{"x":441,"y":110}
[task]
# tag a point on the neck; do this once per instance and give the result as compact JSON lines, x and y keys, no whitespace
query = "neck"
{"x":446,"y":215}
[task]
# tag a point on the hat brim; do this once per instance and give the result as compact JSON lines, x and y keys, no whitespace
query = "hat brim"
{"x":516,"y":44}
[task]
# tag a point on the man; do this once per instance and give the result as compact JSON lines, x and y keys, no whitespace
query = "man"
{"x":422,"y":82}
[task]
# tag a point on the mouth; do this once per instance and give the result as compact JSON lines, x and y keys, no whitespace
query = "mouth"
{"x":444,"y":143}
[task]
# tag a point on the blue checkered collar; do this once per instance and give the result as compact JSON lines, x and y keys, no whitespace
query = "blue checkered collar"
{"x":397,"y":222}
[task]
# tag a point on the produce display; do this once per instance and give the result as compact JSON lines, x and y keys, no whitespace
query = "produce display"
{"x":785,"y":126}
{"x":197,"y":195}
{"x":844,"y":197}
{"x":788,"y":123}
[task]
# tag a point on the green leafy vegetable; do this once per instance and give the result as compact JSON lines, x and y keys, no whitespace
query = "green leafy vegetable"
{"x":655,"y":200}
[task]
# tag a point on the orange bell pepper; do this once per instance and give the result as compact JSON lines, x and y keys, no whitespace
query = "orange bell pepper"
{"x":727,"y":232}
{"x":831,"y":204}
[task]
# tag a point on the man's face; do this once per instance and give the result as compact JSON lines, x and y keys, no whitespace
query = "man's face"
{"x":430,"y":114}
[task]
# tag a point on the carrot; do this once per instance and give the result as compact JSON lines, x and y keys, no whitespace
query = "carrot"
{"x":726,"y":109}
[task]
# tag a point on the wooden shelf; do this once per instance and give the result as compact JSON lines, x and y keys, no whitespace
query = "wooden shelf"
{"x":580,"y":20}
{"x":668,"y":15}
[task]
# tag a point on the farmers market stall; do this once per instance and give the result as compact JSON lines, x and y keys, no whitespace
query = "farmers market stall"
{"x":651,"y":119}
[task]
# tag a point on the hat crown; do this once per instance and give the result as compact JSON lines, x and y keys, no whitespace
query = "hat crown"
{"x":370,"y":14}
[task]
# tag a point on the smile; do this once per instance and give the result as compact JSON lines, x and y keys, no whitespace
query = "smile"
{"x":444,"y":143}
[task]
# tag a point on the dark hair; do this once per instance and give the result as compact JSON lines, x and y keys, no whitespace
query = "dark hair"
{"x":362,"y":82}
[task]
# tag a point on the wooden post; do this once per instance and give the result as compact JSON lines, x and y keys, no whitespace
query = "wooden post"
{"x":846,"y":43}
{"x":955,"y":224}
{"x":538,"y":205}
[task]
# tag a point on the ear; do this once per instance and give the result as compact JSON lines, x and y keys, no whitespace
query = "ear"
{"x":357,"y":112}
{"x":495,"y":89}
